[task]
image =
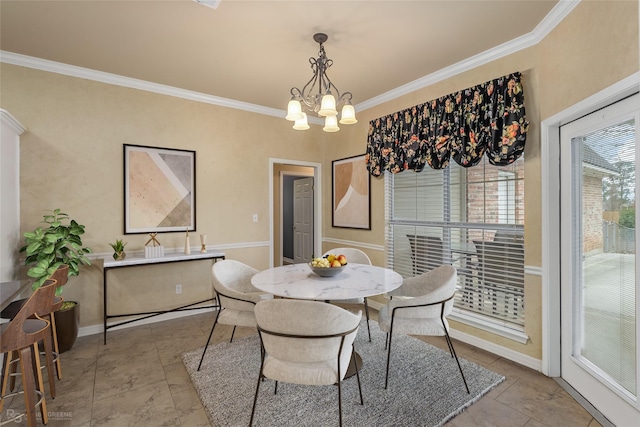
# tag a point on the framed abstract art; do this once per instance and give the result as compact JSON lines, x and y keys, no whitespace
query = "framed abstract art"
{"x":351,"y":199}
{"x":159,"y":189}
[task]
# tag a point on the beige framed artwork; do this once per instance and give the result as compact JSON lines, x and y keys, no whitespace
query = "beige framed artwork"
{"x":159,"y":189}
{"x":351,"y":201}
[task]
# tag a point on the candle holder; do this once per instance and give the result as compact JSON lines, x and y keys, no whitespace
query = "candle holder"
{"x":203,"y":242}
{"x":187,"y":246}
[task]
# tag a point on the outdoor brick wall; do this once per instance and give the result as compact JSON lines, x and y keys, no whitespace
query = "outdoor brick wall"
{"x":592,"y":213}
{"x":483,"y":195}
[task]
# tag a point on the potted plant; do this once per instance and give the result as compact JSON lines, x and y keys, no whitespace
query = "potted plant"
{"x":49,"y":247}
{"x":118,"y":249}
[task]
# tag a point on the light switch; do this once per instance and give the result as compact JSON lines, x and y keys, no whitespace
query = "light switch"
{"x":255,"y":217}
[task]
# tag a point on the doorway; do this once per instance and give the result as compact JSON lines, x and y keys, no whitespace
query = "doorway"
{"x":598,"y":277}
{"x":283,"y":174}
{"x":288,"y":217}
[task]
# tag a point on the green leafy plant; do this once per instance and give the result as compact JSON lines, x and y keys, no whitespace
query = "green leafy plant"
{"x":118,"y":247}
{"x":56,"y":244}
{"x":628,"y":217}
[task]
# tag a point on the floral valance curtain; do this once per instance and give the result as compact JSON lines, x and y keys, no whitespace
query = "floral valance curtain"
{"x":487,"y":118}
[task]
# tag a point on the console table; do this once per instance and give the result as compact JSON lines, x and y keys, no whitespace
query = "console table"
{"x":110,"y":264}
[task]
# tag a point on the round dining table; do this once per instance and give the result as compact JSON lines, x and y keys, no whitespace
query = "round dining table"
{"x":300,"y":282}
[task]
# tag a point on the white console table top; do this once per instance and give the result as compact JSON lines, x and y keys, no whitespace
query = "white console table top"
{"x":171,"y":257}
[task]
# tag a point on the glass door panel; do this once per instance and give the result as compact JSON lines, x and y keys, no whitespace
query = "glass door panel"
{"x":599,"y":275}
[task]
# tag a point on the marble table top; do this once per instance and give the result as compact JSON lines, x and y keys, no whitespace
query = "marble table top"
{"x":298,"y":281}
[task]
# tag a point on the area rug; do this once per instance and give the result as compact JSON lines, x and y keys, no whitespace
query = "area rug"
{"x":425,"y":387}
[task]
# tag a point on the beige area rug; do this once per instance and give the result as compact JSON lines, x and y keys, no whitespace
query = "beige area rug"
{"x":425,"y":386}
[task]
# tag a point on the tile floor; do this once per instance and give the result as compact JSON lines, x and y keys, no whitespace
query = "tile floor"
{"x":138,"y":379}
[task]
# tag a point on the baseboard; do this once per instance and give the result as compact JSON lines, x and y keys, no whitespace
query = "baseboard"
{"x":98,"y":329}
{"x":498,"y":350}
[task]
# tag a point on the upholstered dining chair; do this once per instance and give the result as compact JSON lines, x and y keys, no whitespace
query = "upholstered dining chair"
{"x":236,"y":295}
{"x":355,"y":256}
{"x":305,"y":342}
{"x":19,"y":338}
{"x":426,"y":301}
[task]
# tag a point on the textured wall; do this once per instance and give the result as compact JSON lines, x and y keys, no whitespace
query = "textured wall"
{"x":72,"y":155}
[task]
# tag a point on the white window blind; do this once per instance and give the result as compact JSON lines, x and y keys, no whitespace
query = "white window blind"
{"x":471,"y":218}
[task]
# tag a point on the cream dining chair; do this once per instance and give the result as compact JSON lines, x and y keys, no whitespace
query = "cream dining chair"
{"x":305,"y":342}
{"x":355,"y":256}
{"x":426,"y":301}
{"x":236,"y":295}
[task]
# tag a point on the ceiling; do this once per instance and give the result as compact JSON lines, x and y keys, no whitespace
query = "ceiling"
{"x":255,"y":51}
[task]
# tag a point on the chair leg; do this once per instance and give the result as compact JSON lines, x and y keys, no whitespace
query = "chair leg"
{"x":5,"y":376}
{"x":340,"y":401}
{"x":456,"y":357}
{"x":208,"y":340}
{"x":40,"y":383}
{"x":450,"y":346}
{"x":13,"y":371}
{"x":56,"y":351}
{"x":357,"y":374}
{"x":255,"y":399}
{"x":48,"y":354}
{"x":386,"y":378}
{"x":28,"y":380}
{"x":232,"y":333}
{"x":366,"y":312}
{"x":260,"y":378}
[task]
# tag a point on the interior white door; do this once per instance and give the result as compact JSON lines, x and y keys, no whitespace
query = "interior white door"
{"x":302,"y":220}
{"x":599,"y":279}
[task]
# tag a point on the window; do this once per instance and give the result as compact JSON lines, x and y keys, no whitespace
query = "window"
{"x":472,"y":218}
{"x":506,"y":197}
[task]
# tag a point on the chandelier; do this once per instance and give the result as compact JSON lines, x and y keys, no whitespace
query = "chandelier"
{"x":319,"y":95}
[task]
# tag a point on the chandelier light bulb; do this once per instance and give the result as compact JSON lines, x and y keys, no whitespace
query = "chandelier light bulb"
{"x":328,"y":105}
{"x":301,"y":124}
{"x":331,"y":124}
{"x":294,"y":110}
{"x":348,"y":116}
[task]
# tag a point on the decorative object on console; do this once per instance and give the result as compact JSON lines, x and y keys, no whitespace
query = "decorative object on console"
{"x":323,"y":102}
{"x":118,"y":249}
{"x":187,"y":246}
{"x":156,"y":250}
{"x":203,"y":242}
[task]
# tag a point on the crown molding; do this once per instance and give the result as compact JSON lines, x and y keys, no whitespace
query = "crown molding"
{"x":553,"y":18}
{"x":115,"y":79}
{"x":7,"y":118}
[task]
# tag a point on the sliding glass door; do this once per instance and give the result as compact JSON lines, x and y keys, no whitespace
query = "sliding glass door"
{"x":599,"y":276}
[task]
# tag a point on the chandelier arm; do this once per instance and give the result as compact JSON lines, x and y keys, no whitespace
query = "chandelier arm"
{"x":347,"y":96}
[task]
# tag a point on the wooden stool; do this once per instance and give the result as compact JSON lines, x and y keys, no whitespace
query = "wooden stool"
{"x":21,"y":337}
{"x":61,"y":275}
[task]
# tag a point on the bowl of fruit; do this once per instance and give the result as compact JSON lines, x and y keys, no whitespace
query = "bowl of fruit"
{"x":329,"y":265}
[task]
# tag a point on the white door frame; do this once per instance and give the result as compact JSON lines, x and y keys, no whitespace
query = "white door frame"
{"x":317,"y":203}
{"x":550,"y":182}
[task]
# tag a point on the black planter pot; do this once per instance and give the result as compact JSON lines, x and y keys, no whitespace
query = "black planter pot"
{"x":67,"y":326}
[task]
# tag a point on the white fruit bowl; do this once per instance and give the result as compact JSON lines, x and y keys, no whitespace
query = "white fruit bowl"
{"x":327,"y":271}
